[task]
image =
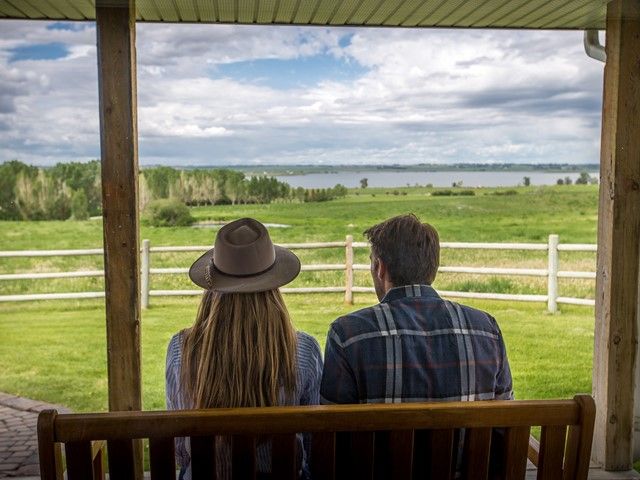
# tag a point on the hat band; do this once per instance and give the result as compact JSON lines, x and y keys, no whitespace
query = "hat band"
{"x":212,"y":266}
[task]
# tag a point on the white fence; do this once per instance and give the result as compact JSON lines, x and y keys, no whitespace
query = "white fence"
{"x":552,"y":272}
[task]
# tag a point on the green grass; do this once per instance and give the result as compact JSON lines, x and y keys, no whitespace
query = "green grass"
{"x":55,"y":351}
{"x":529,"y":216}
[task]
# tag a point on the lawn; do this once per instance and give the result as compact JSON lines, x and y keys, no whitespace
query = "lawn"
{"x":55,"y":351}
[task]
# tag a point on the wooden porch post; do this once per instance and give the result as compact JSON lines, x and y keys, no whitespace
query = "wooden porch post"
{"x":115,"y":21}
{"x":616,"y":328}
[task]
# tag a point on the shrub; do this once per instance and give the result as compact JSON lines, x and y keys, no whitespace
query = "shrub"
{"x":505,"y":192}
{"x":168,"y":213}
{"x":450,"y":193}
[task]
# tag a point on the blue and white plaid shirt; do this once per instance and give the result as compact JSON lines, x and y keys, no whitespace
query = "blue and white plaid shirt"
{"x":415,"y":347}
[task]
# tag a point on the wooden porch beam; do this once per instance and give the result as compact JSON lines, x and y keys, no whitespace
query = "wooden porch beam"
{"x":616,"y":328}
{"x":116,"y":31}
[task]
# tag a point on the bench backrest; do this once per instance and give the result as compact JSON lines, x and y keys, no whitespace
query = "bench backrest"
{"x":411,"y":440}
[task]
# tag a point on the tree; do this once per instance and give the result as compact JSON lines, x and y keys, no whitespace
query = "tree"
{"x":583,"y":179}
{"x":560,"y":181}
{"x":364,"y":182}
{"x":9,"y":172}
{"x":567,"y":181}
{"x":79,"y":206}
{"x":526,"y":181}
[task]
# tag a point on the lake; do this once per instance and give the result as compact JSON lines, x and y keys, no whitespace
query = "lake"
{"x":378,"y":178}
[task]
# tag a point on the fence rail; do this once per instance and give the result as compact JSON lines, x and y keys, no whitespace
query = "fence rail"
{"x":552,"y":272}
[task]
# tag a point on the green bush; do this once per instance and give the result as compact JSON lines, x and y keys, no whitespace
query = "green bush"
{"x":168,"y":213}
{"x":453,"y":193}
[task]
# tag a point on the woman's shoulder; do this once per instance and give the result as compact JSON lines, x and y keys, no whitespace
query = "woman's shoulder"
{"x":307,"y":343}
{"x":175,"y":344}
{"x":309,"y":355}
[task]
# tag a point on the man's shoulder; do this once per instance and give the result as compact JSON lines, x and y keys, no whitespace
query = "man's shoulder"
{"x":355,"y":323}
{"x":478,"y":318}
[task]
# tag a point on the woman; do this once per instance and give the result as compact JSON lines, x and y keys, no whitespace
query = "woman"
{"x":242,"y":350}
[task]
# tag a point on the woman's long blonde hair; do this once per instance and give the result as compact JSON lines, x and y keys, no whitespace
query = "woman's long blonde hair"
{"x":240,"y":352}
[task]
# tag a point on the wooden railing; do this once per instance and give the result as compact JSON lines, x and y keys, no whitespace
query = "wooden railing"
{"x":552,"y":272}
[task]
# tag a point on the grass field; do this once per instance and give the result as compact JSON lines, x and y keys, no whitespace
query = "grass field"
{"x":55,"y":351}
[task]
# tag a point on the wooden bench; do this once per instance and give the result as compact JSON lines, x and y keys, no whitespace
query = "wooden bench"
{"x":403,"y":441}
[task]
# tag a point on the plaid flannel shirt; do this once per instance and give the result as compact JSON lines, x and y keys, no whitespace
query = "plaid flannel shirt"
{"x":415,"y":347}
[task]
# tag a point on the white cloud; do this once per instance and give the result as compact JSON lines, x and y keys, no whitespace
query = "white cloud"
{"x":422,"y":96}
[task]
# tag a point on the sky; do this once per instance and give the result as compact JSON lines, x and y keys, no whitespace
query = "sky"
{"x":251,"y":95}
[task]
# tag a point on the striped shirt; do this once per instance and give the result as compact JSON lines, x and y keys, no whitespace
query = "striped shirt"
{"x":415,"y":347}
{"x":309,"y":371}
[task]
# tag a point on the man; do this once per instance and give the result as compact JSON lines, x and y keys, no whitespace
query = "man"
{"x":413,"y":346}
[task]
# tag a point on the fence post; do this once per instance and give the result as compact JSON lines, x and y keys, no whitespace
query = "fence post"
{"x":552,"y":279}
{"x":144,"y":275}
{"x":348,"y":272}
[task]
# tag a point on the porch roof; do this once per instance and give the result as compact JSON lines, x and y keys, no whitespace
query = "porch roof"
{"x":528,"y":14}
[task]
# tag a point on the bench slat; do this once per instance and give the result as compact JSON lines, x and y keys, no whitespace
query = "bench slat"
{"x":516,"y":448}
{"x":579,"y":441}
{"x":121,"y":459}
{"x":250,"y":421}
{"x":79,"y":461}
{"x":323,"y":455}
{"x":244,"y":456}
{"x":203,"y":458}
{"x":48,"y":450}
{"x":162,"y":458}
{"x":476,"y":453}
{"x":552,"y":442}
{"x":440,"y":453}
{"x":284,"y":456}
{"x":400,"y":454}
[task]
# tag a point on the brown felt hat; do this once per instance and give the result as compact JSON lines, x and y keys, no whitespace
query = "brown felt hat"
{"x":243,"y":259}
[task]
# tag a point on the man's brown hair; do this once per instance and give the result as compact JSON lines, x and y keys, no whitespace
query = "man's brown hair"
{"x":409,"y":249}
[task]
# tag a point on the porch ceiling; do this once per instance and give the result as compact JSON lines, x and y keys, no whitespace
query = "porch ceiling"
{"x":530,"y":14}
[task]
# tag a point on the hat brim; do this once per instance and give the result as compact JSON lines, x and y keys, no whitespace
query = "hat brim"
{"x":285,"y":268}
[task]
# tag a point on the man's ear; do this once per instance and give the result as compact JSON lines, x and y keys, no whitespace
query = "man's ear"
{"x":380,"y":268}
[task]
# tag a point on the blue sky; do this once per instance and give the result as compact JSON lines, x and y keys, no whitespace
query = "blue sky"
{"x":224,"y":95}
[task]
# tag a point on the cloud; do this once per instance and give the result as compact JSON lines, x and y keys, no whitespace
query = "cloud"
{"x":218,"y":94}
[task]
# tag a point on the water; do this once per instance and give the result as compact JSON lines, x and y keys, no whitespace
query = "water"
{"x":437,"y":179}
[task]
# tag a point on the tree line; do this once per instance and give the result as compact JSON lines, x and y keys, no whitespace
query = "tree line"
{"x":72,"y":190}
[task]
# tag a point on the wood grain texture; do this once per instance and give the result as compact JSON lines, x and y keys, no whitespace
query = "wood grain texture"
{"x":440,"y":453}
{"x":348,"y":441}
{"x":323,"y":455}
{"x":46,"y":445}
{"x":618,"y":262}
{"x":328,"y":418}
{"x":579,"y":441}
{"x":477,"y":448}
{"x":119,"y":154}
{"x":550,"y":462}
{"x":516,"y":445}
